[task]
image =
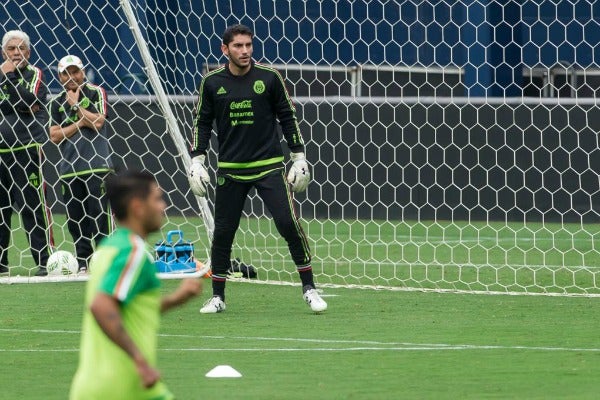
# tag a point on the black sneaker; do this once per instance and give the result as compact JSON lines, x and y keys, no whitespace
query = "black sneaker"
{"x":82,"y":270}
{"x":42,"y":272}
{"x":241,"y":269}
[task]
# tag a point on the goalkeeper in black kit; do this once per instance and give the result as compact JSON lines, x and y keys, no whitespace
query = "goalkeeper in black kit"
{"x":246,"y":99}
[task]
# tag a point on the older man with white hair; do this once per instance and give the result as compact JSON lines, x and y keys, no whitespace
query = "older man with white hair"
{"x":22,"y":131}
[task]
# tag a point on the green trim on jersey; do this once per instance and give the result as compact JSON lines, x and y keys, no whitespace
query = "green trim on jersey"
{"x":41,"y":191}
{"x":110,"y":221}
{"x":305,"y":245}
{"x":199,"y":105}
{"x":253,"y":176}
{"x":35,"y":78}
{"x":297,"y":137}
{"x":13,"y":149}
{"x":251,"y":164}
{"x":131,"y":271}
{"x":273,"y":70}
{"x":87,"y":172}
{"x":100,"y":104}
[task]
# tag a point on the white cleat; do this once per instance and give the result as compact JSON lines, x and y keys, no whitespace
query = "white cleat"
{"x":316,"y":303}
{"x":213,"y":305}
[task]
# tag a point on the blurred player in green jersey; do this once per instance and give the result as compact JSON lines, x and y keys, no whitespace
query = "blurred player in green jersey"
{"x":123,"y":303}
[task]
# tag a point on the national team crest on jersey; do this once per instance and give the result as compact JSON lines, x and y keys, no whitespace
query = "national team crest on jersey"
{"x":34,"y":180}
{"x":259,"y":87}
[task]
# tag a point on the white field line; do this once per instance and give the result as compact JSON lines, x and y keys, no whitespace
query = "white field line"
{"x":352,"y":345}
{"x":407,"y":348}
{"x":424,"y":289}
{"x":414,"y":239}
{"x":329,"y":349}
{"x":323,"y":259}
{"x":336,"y":244}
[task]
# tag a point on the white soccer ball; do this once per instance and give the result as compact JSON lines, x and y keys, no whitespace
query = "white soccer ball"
{"x":62,"y":263}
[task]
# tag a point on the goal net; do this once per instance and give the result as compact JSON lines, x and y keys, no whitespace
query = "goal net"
{"x":454,"y":145}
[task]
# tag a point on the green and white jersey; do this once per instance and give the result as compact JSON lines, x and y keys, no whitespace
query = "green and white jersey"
{"x":123,"y":268}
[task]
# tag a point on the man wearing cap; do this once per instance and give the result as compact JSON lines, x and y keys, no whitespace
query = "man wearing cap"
{"x":23,"y":119}
{"x":77,"y":125}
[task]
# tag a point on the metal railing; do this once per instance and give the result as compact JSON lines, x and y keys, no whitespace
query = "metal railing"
{"x":369,"y":80}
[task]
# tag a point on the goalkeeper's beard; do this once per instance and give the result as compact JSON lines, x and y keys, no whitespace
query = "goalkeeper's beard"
{"x":238,"y":63}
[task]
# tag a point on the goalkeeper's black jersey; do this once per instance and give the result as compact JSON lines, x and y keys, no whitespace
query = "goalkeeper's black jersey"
{"x":246,"y":109}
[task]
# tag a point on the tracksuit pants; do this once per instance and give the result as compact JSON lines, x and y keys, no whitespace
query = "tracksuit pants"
{"x":22,"y":186}
{"x":88,"y":215}
{"x":230,"y":197}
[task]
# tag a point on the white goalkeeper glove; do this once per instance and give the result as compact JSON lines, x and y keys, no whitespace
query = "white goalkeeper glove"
{"x":299,"y":175}
{"x":198,"y":176}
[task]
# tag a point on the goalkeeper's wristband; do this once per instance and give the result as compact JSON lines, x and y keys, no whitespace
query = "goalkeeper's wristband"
{"x":297,"y":156}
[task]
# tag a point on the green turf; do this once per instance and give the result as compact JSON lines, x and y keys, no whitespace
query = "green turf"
{"x":368,"y":345}
{"x":457,"y":255}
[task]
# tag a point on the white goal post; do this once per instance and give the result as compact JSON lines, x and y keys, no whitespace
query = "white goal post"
{"x":163,"y":100}
{"x":454,"y":147}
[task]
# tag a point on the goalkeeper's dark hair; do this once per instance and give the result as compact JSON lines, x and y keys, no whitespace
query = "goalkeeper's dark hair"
{"x":233,"y":30}
{"x":127,"y":185}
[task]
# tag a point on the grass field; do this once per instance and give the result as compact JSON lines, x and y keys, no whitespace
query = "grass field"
{"x":368,"y":345}
{"x":443,"y":255}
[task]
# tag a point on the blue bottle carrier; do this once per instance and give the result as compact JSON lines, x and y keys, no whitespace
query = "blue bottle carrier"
{"x":175,"y":256}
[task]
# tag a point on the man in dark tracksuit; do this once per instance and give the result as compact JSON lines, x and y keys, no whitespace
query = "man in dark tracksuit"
{"x":22,"y":131}
{"x":247,"y":99}
{"x":77,"y":125}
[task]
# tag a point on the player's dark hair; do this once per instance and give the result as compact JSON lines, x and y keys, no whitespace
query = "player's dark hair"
{"x":121,"y":188}
{"x":233,"y":30}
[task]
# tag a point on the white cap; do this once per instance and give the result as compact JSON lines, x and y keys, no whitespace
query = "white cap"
{"x":67,"y":61}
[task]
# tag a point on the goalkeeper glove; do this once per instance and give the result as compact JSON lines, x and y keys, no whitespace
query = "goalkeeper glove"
{"x":299,"y":175}
{"x":198,"y":176}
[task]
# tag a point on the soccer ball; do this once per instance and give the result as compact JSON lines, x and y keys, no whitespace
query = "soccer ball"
{"x":62,"y":263}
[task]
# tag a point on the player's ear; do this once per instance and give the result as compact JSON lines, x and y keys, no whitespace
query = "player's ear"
{"x":225,"y":49}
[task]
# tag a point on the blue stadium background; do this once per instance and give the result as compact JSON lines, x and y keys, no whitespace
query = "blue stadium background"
{"x":491,"y":40}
